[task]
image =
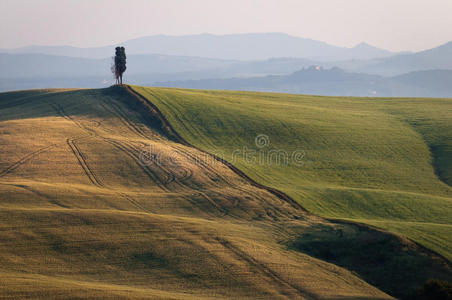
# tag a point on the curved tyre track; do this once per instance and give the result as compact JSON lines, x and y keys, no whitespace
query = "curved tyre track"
{"x":71,"y":142}
{"x":181,"y":181}
{"x":161,"y":175}
{"x":60,"y":110}
{"x":134,"y":156}
{"x":122,"y":116}
{"x":82,"y":162}
{"x":92,"y":176}
{"x":208,"y":168}
{"x":199,"y":162}
{"x":29,"y":156}
{"x":186,"y":173}
{"x":118,"y":145}
{"x":168,"y":129}
{"x":170,"y":175}
{"x":24,"y":159}
{"x":133,"y":151}
{"x":73,"y":146}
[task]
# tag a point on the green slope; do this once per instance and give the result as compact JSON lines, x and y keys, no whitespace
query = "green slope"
{"x":385,"y":162}
{"x":97,"y":203}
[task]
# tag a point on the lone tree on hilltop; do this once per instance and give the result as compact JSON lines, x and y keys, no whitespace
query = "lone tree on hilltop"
{"x":119,"y":64}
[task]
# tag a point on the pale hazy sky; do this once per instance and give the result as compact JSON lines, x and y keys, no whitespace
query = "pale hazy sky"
{"x":391,"y":24}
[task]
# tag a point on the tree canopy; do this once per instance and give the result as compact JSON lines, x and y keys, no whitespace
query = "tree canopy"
{"x":119,"y":64}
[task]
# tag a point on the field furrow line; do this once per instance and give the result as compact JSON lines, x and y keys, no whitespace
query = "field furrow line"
{"x":116,"y":111}
{"x":24,"y":159}
{"x":82,"y":162}
{"x":171,"y":132}
{"x":133,"y":201}
{"x":262,"y":268}
{"x":170,"y":175}
{"x":134,"y":156}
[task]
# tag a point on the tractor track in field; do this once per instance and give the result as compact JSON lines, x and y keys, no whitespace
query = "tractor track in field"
{"x":187,"y":173}
{"x":29,"y":156}
{"x":81,"y":158}
{"x":222,"y":210}
{"x":122,"y":116}
{"x":71,"y":142}
{"x":263,"y":269}
{"x":181,"y":182}
{"x":123,"y":147}
{"x":134,"y":202}
{"x":82,"y":162}
{"x":52,"y":199}
{"x":133,"y":152}
{"x":24,"y":159}
{"x":199,"y":162}
{"x":171,"y":177}
{"x":209,"y":168}
{"x":147,"y":106}
{"x":60,"y":110}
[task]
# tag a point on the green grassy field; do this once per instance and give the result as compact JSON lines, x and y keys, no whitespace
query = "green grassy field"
{"x":98,"y":200}
{"x":385,"y":162}
{"x":84,"y":215}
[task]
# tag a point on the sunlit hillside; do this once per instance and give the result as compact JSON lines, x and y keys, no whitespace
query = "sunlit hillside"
{"x":100,"y":198}
{"x":385,"y":162}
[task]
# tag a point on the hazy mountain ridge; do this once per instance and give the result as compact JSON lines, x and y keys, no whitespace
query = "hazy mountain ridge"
{"x":42,"y":65}
{"x":335,"y":81}
{"x":436,"y":58}
{"x":62,"y":66}
{"x":252,"y":46}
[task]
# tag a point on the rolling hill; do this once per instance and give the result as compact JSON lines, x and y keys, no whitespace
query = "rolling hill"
{"x":381,"y":161}
{"x":102,"y":198}
{"x":84,"y":215}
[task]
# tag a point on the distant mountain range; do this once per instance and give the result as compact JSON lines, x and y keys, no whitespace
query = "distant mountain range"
{"x":43,"y":65}
{"x":253,"y":46}
{"x":334,"y":82}
{"x":436,"y":58}
{"x":207,"y":61}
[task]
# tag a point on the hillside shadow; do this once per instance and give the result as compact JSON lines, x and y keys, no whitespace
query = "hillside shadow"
{"x":45,"y":103}
{"x":395,"y":265}
{"x":89,"y":103}
{"x":436,"y":138}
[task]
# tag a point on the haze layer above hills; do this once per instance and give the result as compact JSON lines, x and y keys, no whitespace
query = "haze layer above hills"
{"x":333,"y":82}
{"x":163,"y":59}
{"x":253,"y":46}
